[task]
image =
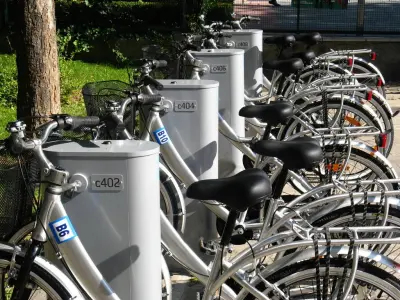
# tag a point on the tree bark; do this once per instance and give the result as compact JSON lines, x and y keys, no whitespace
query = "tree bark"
{"x":37,"y":61}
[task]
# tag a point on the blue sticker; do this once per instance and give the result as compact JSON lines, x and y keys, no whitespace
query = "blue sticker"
{"x":63,"y":230}
{"x":161,"y":136}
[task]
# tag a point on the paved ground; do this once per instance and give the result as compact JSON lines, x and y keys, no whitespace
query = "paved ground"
{"x":380,"y":15}
{"x":393,"y":97}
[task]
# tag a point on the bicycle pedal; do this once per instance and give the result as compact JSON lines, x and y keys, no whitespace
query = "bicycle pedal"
{"x":209,"y":248}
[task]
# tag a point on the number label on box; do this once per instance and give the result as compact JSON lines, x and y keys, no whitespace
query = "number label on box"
{"x":219,"y":68}
{"x":185,"y":105}
{"x":242,"y":44}
{"x":107,"y":182}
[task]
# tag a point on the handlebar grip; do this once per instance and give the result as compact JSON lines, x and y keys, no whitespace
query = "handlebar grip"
{"x":160,"y":63}
{"x":71,"y":123}
{"x":149,"y":99}
{"x":151,"y":81}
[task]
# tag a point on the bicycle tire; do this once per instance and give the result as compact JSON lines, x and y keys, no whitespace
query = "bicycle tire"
{"x":371,"y":163}
{"x":371,"y":276}
{"x":39,"y":276}
{"x":316,"y":106}
{"x":364,"y":68}
{"x":385,"y":116}
{"x":345,"y":213}
{"x":310,"y":74}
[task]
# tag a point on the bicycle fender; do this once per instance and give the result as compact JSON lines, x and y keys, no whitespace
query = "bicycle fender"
{"x":310,"y":254}
{"x":53,"y":271}
{"x":372,"y":66}
{"x":165,"y":175}
{"x":368,"y":149}
{"x":393,"y":201}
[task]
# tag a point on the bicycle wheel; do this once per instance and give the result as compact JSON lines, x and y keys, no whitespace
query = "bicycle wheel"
{"x":384,"y":115}
{"x":349,"y":115}
{"x":41,"y":282}
{"x":309,"y":75}
{"x":364,"y":216}
{"x":369,"y":215}
{"x":361,"y":66}
{"x":360,"y":166}
{"x":298,"y":281}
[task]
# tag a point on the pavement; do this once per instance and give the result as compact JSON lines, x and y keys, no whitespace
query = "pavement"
{"x":393,"y":96}
{"x":379,"y":15}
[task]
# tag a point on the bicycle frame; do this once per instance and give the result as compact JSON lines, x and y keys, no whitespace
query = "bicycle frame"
{"x":179,"y":167}
{"x":87,"y":276}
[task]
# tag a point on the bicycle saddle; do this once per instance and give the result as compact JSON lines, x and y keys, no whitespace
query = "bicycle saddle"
{"x":305,"y":56}
{"x":274,"y":113}
{"x":241,"y":191}
{"x":281,"y":40}
{"x":309,"y":39}
{"x":299,"y":153}
{"x":287,"y":66}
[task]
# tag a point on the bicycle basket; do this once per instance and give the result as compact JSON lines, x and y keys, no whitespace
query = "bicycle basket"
{"x":16,"y":191}
{"x":95,"y":95}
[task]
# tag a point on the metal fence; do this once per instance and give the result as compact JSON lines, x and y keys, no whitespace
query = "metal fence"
{"x":329,"y":16}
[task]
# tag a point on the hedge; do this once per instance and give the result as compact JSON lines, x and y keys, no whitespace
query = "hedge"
{"x":123,"y":17}
{"x":128,"y":17}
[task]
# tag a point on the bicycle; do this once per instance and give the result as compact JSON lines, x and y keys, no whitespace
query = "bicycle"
{"x":257,"y":112}
{"x":256,"y":191}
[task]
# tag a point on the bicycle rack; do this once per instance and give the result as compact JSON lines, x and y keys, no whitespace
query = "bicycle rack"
{"x":251,"y":40}
{"x":113,"y":216}
{"x":226,"y":66}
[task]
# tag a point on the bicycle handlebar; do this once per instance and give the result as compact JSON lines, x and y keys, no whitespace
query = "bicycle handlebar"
{"x":67,"y":122}
{"x":148,"y":99}
{"x":154,"y":64}
{"x":147,"y":80}
{"x":193,"y":61}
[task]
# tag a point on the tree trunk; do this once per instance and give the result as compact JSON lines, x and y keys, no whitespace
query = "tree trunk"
{"x":37,"y":61}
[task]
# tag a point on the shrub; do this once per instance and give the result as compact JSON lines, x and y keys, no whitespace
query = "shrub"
{"x":8,"y":88}
{"x":8,"y":80}
{"x":123,"y":18}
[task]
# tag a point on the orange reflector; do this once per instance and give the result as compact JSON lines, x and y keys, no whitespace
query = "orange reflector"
{"x":369,"y":95}
{"x":373,"y":55}
{"x":350,"y":61}
{"x":379,"y":82}
{"x":352,"y":121}
{"x":383,"y":140}
{"x":336,"y":167}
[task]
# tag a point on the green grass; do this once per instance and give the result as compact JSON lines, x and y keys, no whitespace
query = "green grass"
{"x":74,"y":74}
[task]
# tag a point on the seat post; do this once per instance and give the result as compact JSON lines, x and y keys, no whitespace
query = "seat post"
{"x":280,"y":183}
{"x":229,"y":227}
{"x":281,"y":82}
{"x":267,"y":132}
